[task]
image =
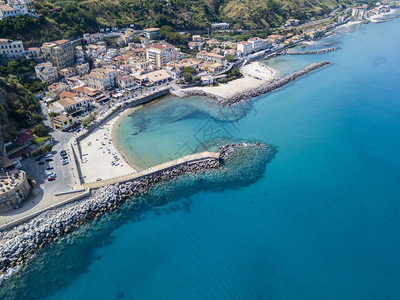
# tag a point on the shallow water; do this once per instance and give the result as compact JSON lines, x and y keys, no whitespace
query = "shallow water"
{"x":323,"y":222}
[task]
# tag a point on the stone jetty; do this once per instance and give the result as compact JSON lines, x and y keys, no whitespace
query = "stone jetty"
{"x":331,"y":43}
{"x":262,"y":89}
{"x":312,"y":52}
{"x":19,"y":244}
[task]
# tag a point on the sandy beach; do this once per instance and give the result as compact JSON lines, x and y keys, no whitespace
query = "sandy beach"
{"x":379,"y":17}
{"x":254,"y":74}
{"x":100,"y":155}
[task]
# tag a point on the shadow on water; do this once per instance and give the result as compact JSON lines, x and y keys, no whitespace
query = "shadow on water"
{"x":64,"y":260}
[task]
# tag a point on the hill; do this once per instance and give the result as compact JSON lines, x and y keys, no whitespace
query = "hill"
{"x":68,"y":18}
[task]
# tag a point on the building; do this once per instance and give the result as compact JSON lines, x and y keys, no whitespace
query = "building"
{"x":61,"y":53}
{"x":46,"y":72}
{"x":292,"y":22}
{"x":213,"y":43}
{"x":93,"y":38}
{"x":62,"y":122}
{"x":161,"y":55}
{"x":17,"y":7}
{"x":33,"y":53}
{"x":82,"y":69}
{"x":7,"y":11}
{"x":79,"y":54}
{"x":67,"y":72}
{"x":102,"y":78}
{"x":126,"y":81}
{"x":220,"y":26}
{"x":244,"y":47}
{"x":158,"y":77}
{"x":10,"y":49}
{"x":276,"y":38}
{"x":151,"y":33}
{"x":13,"y":190}
{"x":70,"y":106}
{"x":256,"y":44}
{"x":212,"y":57}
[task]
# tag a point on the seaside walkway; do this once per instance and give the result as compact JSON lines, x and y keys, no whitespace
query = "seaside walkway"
{"x":188,"y":159}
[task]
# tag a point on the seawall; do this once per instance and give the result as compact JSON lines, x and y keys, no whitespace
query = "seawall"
{"x":325,"y":50}
{"x":262,"y":89}
{"x":21,"y":242}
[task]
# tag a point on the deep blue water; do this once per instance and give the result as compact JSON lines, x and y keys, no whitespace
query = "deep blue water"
{"x":322,"y":223}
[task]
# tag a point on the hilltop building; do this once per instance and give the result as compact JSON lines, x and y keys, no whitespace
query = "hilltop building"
{"x":61,"y":53}
{"x":10,"y":49}
{"x":15,"y":8}
{"x":220,"y":26}
{"x":151,"y":33}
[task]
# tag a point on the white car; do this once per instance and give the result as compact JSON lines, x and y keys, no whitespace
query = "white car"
{"x":48,"y":155}
{"x":64,"y":162}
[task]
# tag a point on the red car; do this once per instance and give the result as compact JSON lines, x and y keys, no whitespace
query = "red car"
{"x":51,"y":178}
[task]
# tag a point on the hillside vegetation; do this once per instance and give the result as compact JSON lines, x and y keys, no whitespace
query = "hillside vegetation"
{"x":68,"y":18}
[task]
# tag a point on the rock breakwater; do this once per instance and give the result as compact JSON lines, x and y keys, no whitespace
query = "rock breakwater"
{"x":20,"y":243}
{"x":262,"y":89}
{"x":312,"y":52}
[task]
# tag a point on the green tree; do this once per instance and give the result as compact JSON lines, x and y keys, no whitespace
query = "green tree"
{"x":190,"y":70}
{"x":187,"y":76}
{"x":52,"y":114}
{"x":37,"y":118}
{"x":230,"y":57}
{"x":41,"y":130}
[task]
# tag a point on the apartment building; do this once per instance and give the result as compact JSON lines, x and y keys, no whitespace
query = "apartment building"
{"x":207,"y":56}
{"x":61,"y":53}
{"x":126,"y":81}
{"x":102,"y":78}
{"x":244,"y":47}
{"x":161,"y":55}
{"x":46,"y":72}
{"x":10,"y":49}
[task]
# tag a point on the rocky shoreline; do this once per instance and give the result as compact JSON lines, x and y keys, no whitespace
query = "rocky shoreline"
{"x":312,"y":52}
{"x":262,"y":89}
{"x":20,"y":243}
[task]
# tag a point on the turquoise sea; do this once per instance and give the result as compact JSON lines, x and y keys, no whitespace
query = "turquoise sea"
{"x":323,"y":221}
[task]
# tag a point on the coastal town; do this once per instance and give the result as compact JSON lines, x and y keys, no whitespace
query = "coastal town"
{"x":92,"y":80}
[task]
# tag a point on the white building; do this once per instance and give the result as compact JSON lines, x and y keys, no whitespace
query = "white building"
{"x":102,"y":78}
{"x":17,"y":7}
{"x":256,"y":44}
{"x":161,"y":55}
{"x":244,"y":48}
{"x":46,"y":72}
{"x":10,"y":49}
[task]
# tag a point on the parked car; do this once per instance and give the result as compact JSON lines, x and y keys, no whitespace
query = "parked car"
{"x":51,"y":178}
{"x":49,"y":168}
{"x":62,"y":151}
{"x":38,"y":158}
{"x":51,"y":174}
{"x":64,"y":162}
{"x":41,"y":163}
{"x":48,"y":155}
{"x":48,"y":159}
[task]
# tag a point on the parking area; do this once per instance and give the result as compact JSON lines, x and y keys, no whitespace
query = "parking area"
{"x":37,"y":170}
